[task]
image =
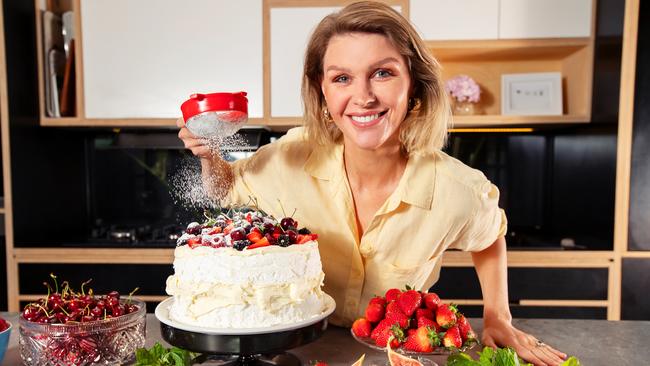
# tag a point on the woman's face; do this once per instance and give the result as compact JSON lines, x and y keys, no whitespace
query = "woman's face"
{"x":366,"y":85}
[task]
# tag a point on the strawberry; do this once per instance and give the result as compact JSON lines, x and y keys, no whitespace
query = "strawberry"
{"x":377,"y":300}
{"x":452,"y":338}
{"x":466,"y":331}
{"x":423,"y":313}
{"x":214,"y":230}
{"x":302,"y":239}
{"x":409,"y":301}
{"x":254,"y":236}
{"x":361,"y":327}
{"x":422,"y":340}
{"x":194,"y":242}
{"x":392,"y":307}
{"x":228,"y":228}
{"x":446,"y":315}
{"x":313,"y":236}
{"x":392,"y":294}
{"x":393,"y":333}
{"x":411,"y":331}
{"x":425,"y":322}
{"x":396,"y":317}
{"x":381,"y":327}
{"x":375,"y":312}
{"x":431,"y":300}
{"x":319,"y":363}
{"x":263,"y":242}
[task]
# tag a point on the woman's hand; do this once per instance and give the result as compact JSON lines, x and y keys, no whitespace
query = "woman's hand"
{"x":500,"y":332}
{"x":197,"y":145}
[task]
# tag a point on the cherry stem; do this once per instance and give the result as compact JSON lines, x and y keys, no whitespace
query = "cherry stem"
{"x":282,"y":208}
{"x":44,"y":309}
{"x":83,"y":284}
{"x":56,"y":283}
{"x":293,"y":213}
{"x":128,"y":301}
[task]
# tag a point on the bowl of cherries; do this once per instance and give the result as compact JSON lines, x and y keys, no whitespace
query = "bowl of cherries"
{"x":81,"y":328}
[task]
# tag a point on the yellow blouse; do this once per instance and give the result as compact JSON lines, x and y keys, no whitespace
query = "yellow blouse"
{"x":439,"y":204}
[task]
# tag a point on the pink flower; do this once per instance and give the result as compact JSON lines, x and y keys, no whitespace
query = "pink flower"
{"x":463,"y":88}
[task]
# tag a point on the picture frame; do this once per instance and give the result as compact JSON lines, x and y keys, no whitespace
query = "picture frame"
{"x":531,"y":94}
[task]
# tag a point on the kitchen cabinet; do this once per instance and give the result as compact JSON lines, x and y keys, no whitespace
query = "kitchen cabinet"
{"x":545,"y":19}
{"x":161,"y":52}
{"x":456,"y":19}
{"x":287,"y":48}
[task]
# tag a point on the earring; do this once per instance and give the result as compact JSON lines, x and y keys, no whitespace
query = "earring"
{"x":326,"y":114}
{"x":413,"y":103}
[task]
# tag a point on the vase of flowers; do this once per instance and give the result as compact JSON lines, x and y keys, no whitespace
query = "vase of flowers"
{"x":465,"y":93}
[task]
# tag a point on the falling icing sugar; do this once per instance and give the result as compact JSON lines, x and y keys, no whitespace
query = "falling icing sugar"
{"x":188,"y":187}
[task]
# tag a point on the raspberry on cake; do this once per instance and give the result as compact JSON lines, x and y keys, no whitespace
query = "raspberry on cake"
{"x":243,"y":269}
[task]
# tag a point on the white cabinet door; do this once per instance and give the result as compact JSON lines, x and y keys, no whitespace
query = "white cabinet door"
{"x":456,"y":19}
{"x":143,"y":58}
{"x":545,"y":18}
{"x":290,"y":29}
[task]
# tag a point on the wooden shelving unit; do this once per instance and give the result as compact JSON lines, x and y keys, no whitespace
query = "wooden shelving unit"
{"x":486,"y":61}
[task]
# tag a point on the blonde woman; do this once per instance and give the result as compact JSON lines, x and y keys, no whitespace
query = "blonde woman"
{"x":367,"y":173}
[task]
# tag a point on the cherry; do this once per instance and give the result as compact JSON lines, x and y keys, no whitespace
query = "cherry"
{"x":288,"y":223}
{"x":97,"y":312}
{"x":114,"y":294}
{"x":87,"y":318}
{"x":193,"y":228}
{"x":238,"y":234}
{"x":117,"y":311}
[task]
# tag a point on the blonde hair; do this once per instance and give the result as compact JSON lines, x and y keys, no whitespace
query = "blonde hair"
{"x":425,"y":126}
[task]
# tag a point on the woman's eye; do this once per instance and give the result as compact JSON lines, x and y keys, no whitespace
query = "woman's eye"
{"x":341,"y":79}
{"x":382,"y":73}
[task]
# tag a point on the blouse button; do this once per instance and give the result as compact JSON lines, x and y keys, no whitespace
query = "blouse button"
{"x":365,"y":250}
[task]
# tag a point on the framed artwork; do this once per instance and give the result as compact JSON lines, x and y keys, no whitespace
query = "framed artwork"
{"x":531,"y":94}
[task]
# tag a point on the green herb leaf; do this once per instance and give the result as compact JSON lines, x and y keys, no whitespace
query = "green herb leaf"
{"x":571,"y":361}
{"x":161,"y":356}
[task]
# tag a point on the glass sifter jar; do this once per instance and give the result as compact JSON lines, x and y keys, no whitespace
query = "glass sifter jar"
{"x":215,"y":114}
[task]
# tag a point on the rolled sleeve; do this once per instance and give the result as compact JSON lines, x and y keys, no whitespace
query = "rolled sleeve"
{"x":487,"y":223}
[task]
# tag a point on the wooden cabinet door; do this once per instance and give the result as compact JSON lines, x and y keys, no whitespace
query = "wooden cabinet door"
{"x":143,"y":58}
{"x":545,"y":18}
{"x":456,"y":19}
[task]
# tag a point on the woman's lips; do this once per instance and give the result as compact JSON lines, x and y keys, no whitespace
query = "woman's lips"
{"x":367,"y":120}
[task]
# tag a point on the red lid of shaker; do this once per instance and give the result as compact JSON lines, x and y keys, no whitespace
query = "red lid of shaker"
{"x":199,"y":103}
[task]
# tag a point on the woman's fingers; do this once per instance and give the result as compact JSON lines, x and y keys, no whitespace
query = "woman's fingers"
{"x":180,"y":122}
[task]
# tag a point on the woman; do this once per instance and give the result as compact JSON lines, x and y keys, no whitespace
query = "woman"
{"x":368,"y":174}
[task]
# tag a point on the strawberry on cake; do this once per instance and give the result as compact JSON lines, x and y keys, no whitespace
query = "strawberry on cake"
{"x":244,"y":269}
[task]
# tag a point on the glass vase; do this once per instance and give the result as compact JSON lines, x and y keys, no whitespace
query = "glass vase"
{"x":463,"y":108}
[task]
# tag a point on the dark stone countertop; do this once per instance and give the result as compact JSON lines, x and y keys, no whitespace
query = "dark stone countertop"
{"x":594,"y":342}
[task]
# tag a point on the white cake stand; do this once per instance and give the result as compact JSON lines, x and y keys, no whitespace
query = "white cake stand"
{"x":246,"y":346}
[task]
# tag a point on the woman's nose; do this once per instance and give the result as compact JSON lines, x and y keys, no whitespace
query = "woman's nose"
{"x":363,"y":94}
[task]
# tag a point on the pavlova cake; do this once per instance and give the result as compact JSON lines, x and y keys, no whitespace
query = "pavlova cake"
{"x":244,"y":269}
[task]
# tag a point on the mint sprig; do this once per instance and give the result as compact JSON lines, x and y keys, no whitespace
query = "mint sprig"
{"x":498,"y":357}
{"x":161,"y":356}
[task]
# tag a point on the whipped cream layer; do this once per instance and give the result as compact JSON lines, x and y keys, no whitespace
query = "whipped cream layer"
{"x":226,"y":288}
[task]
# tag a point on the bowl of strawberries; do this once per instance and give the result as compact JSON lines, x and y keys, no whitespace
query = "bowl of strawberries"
{"x":79,"y":328}
{"x":413,"y":322}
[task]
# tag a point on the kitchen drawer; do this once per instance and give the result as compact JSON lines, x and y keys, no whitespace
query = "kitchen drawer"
{"x":529,"y":283}
{"x":124,"y":278}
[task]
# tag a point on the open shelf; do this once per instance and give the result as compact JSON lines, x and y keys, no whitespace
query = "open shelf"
{"x":507,"y":49}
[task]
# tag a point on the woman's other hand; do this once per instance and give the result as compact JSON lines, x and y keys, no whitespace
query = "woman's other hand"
{"x":501,"y":332}
{"x":197,"y":145}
